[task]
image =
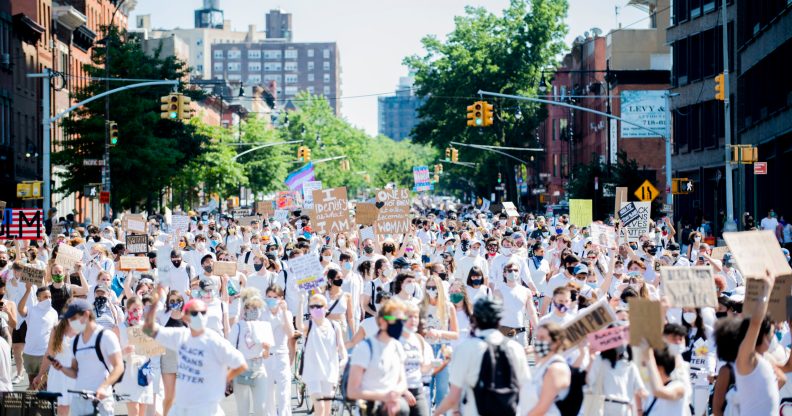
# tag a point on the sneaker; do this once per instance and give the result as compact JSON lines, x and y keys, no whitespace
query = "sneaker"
{"x":17,"y":379}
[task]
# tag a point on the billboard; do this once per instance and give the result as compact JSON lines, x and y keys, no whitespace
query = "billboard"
{"x":645,"y":108}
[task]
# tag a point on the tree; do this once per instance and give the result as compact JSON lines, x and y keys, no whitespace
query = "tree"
{"x":265,"y":168}
{"x":487,"y":52}
{"x":150,"y":151}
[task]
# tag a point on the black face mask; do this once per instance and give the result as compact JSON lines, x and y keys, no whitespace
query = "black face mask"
{"x":258,"y":266}
{"x":207,"y":269}
{"x":338,"y":282}
{"x":100,"y":304}
{"x":3,"y":262}
{"x":570,"y":269}
{"x":2,"y":295}
{"x":719,"y":315}
{"x":96,"y":238}
{"x":395,"y":329}
{"x":176,"y":263}
{"x":652,"y":250}
{"x":368,"y":249}
{"x":476,"y":282}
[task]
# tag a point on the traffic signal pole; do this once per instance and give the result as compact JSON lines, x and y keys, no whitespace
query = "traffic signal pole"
{"x":730,"y":224}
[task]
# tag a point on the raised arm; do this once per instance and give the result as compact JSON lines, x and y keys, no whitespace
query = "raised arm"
{"x":746,"y":355}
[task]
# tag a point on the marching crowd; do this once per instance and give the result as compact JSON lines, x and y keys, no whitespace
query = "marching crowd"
{"x":465,"y":313}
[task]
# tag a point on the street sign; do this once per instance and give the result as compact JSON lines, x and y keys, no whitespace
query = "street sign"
{"x":646,"y":192}
{"x":104,"y":197}
{"x":760,"y":168}
{"x":93,"y":162}
{"x":668,"y":208}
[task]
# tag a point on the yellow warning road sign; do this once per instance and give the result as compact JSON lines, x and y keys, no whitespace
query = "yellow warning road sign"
{"x":646,"y":192}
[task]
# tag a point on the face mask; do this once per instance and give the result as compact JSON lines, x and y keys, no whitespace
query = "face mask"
{"x":570,"y":269}
{"x":207,"y":295}
{"x":561,"y":307}
{"x":338,"y":282}
{"x":57,"y":278}
{"x":432,"y":292}
{"x":506,"y":251}
{"x":387,"y":272}
{"x":200,"y":246}
{"x":3,"y":262}
{"x":254,"y":247}
{"x":474,"y":252}
{"x":619,"y":270}
{"x":100,"y":303}
{"x":674,"y":349}
{"x":697,"y":239}
{"x":368,"y":249}
{"x":327,"y":258}
{"x":258,"y":266}
{"x":456,"y":297}
{"x":45,"y":304}
{"x":542,"y":348}
{"x":207,"y":269}
{"x":341,"y":242}
{"x":175,"y":306}
{"x":719,"y":315}
{"x":591,"y":285}
{"x":272,"y":303}
{"x":539,"y":258}
{"x":476,"y":282}
{"x":176,"y":263}
{"x":689,"y":317}
{"x":252,"y":314}
{"x":512,"y":276}
{"x":409,"y":288}
{"x":133,"y":317}
{"x":77,"y":326}
{"x":198,"y":322}
{"x":347,"y":266}
{"x":450,"y":249}
{"x":395,"y":329}
{"x":317,"y":313}
{"x":96,"y":238}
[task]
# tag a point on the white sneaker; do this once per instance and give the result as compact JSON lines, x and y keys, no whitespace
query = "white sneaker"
{"x":17,"y":379}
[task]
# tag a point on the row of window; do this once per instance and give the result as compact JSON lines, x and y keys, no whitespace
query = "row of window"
{"x":700,"y":56}
{"x":266,"y":53}
{"x":268,"y":67}
{"x":698,"y":126}
{"x":289,"y":90}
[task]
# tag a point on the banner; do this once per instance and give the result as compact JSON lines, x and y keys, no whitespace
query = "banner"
{"x":757,"y":251}
{"x":180,"y":223}
{"x":22,"y":224}
{"x":608,"y":338}
{"x":689,"y":287}
{"x":285,"y":200}
{"x":228,"y":268}
{"x":307,"y":190}
{"x":645,"y":108}
{"x":331,"y":212}
{"x":580,"y":212}
{"x":134,"y":263}
{"x":265,"y":208}
{"x":639,"y":225}
{"x":394,"y":211}
{"x":646,"y":322}
{"x":421,"y":179}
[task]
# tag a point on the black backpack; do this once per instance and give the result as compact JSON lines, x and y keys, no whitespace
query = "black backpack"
{"x":98,"y":350}
{"x":496,"y":390}
{"x":571,"y":404}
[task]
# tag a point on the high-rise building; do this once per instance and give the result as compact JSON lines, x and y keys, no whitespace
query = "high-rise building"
{"x":210,"y":16}
{"x":398,"y":114}
{"x":279,"y":25}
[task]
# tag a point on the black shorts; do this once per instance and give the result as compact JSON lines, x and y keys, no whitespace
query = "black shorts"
{"x":18,"y":336}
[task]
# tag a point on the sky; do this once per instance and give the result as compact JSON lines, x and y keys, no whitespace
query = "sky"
{"x":374,"y":36}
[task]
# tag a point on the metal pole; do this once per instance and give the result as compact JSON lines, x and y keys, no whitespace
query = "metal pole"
{"x":669,"y":195}
{"x":755,"y":193}
{"x":270,"y":145}
{"x":45,"y":121}
{"x":730,"y":225}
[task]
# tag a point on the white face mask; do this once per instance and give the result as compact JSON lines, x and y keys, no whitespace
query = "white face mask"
{"x":512,"y":276}
{"x":697,"y":239}
{"x":341,"y":242}
{"x":387,"y":272}
{"x":506,"y":251}
{"x":327,"y":258}
{"x":45,"y":304}
{"x":77,"y":326}
{"x":689,"y":317}
{"x":409,"y":288}
{"x":198,"y":322}
{"x":474,"y":252}
{"x":674,"y":349}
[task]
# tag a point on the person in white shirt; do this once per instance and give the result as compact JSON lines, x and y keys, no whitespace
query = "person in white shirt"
{"x":253,"y":338}
{"x":538,"y":266}
{"x":180,"y":276}
{"x":41,"y":318}
{"x":428,"y":239}
{"x":196,"y":257}
{"x":279,"y":369}
{"x":261,"y":278}
{"x":353,"y":284}
{"x":207,"y":361}
{"x":5,"y":360}
{"x":517,"y":302}
{"x":233,"y":240}
{"x":566,"y":275}
{"x":770,"y":222}
{"x":562,"y":308}
{"x":473,"y":258}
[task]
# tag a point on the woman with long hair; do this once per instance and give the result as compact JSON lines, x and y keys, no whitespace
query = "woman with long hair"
{"x":340,"y":309}
{"x":382,"y":275}
{"x":170,"y":360}
{"x":463,"y":308}
{"x":614,"y":375}
{"x":552,"y":376}
{"x":441,"y":328}
{"x":60,"y":347}
{"x":279,"y":371}
{"x":253,"y":339}
{"x":139,"y":397}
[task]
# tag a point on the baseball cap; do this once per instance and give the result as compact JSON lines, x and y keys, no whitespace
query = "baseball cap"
{"x":76,"y":306}
{"x":581,"y":268}
{"x":401,"y":263}
{"x":102,"y":287}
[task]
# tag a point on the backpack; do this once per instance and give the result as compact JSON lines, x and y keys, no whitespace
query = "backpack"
{"x":496,"y":390}
{"x":347,"y":369}
{"x":98,"y":350}
{"x":571,"y":404}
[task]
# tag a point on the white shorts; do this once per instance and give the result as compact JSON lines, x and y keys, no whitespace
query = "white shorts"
{"x":207,"y":410}
{"x":319,"y":388}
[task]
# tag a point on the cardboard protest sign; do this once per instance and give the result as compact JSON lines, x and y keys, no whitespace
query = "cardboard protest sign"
{"x":757,"y":251}
{"x":608,"y":338}
{"x":265,"y":208}
{"x":628,"y":213}
{"x":394,"y":211}
{"x":621,"y":197}
{"x":689,"y":287}
{"x":308,"y":271}
{"x":180,"y":223}
{"x":286,"y":200}
{"x":331,"y":215}
{"x":777,"y":301}
{"x":719,"y":252}
{"x":248,"y":220}
{"x":366,"y":213}
{"x":307,"y":189}
{"x":144,"y":344}
{"x":136,"y":244}
{"x":282,"y":215}
{"x":646,"y":322}
{"x":588,"y":320}
{"x":220,"y":268}
{"x":510,"y":209}
{"x":135,"y":223}
{"x":367,"y":232}
{"x":604,"y":235}
{"x":639,"y":225}
{"x":164,"y":264}
{"x":32,"y":275}
{"x":134,"y":263}
{"x":580,"y":212}
{"x":68,"y":256}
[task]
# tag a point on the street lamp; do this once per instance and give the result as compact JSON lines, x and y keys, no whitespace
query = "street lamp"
{"x":542,"y":84}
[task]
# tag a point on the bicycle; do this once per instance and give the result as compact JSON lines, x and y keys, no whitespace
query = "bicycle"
{"x":302,"y":396}
{"x":341,"y":406}
{"x":91,"y":395}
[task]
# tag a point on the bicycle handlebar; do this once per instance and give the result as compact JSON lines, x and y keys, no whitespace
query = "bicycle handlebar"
{"x":91,"y":395}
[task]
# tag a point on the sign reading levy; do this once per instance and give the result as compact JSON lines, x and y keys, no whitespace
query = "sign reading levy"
{"x":640,"y":224}
{"x":331,"y":215}
{"x":136,"y":244}
{"x":689,"y":287}
{"x":644,"y":108}
{"x":394,"y":211}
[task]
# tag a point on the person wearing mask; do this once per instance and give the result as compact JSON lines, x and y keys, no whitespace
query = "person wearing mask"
{"x":63,"y":291}
{"x":322,"y":354}
{"x":517,"y":302}
{"x":216,"y":305}
{"x":466,"y":360}
{"x":340,"y":310}
{"x":98,"y":261}
{"x":138,"y":397}
{"x":562,"y":312}
{"x":233,"y":240}
{"x":428,"y":239}
{"x":473,"y":258}
{"x":538,"y":266}
{"x":59,"y":347}
{"x":279,"y":371}
{"x":566,"y":275}
{"x":260,"y":278}
{"x":196,"y":258}
{"x":440,"y":329}
{"x":404,"y":287}
{"x":726,"y":333}
{"x":613,"y":375}
{"x":207,"y":360}
{"x":353,"y":285}
{"x":41,"y":320}
{"x":91,"y":372}
{"x":368,"y":326}
{"x":8,"y":313}
{"x":326,"y":257}
{"x":106,"y":313}
{"x":377,"y":372}
{"x":14,"y":291}
{"x":170,"y":360}
{"x":552,"y":374}
{"x":181,"y":275}
{"x":381,"y":277}
{"x":666,"y":395}
{"x":417,"y":361}
{"x":458,"y":296}
{"x":253,"y":338}
{"x":770,"y":222}
{"x":694,"y":246}
{"x":476,"y":285}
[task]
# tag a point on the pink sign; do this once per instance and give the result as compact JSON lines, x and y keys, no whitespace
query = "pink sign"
{"x":608,"y":338}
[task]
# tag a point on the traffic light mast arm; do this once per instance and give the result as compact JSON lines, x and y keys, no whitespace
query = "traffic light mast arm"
{"x":480,"y":147}
{"x":263,"y":146}
{"x":100,"y":95}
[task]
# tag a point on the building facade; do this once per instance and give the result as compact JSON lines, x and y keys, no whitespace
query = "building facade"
{"x":398,"y":114}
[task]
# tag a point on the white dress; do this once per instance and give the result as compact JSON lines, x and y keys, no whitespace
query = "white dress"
{"x":132,"y":363}
{"x":321,"y":353}
{"x":56,"y":380}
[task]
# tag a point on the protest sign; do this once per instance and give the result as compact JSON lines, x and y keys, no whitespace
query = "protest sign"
{"x":719,"y":252}
{"x":604,"y":235}
{"x":180,"y":223}
{"x":394,"y":211}
{"x":757,"y":251}
{"x":228,"y":268}
{"x":134,"y":263}
{"x":248,"y":220}
{"x":308,"y":271}
{"x":640,"y":224}
{"x":588,"y":320}
{"x":144,"y":344}
{"x":777,"y":301}
{"x":421,"y":179}
{"x":282,"y":215}
{"x":32,"y":275}
{"x":265,"y":208}
{"x":164,"y":264}
{"x":580,"y":212}
{"x":621,"y":197}
{"x":331,"y":215}
{"x":136,"y":244}
{"x":367,"y":232}
{"x":307,"y":189}
{"x":608,"y":338}
{"x":286,"y":200}
{"x":135,"y":223}
{"x":510,"y":209}
{"x":689,"y":287}
{"x":366,"y":213}
{"x":68,"y":256}
{"x":628,"y":213}
{"x":646,"y":322}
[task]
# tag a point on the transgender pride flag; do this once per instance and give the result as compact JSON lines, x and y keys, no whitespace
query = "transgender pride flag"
{"x":296,"y":179}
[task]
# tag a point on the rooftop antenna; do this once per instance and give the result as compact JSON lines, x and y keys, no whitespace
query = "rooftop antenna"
{"x":618,"y":24}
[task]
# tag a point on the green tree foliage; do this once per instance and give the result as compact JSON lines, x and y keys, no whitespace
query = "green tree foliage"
{"x":265,"y":168}
{"x":488,"y":52}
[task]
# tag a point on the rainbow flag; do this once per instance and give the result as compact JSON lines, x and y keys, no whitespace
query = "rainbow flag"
{"x":296,"y":179}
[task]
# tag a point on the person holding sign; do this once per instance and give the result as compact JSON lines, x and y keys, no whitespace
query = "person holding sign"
{"x":140,"y":396}
{"x":62,"y":291}
{"x":41,"y":319}
{"x":667,"y":394}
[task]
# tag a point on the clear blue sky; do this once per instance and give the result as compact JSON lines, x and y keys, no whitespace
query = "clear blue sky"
{"x":375,"y":35}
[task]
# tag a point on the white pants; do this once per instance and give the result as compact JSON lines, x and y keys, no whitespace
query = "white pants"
{"x":279,"y":378}
{"x":206,"y":410}
{"x":80,"y":406}
{"x":243,"y":393}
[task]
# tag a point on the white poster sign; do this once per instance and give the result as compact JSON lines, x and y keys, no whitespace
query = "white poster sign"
{"x":641,"y":224}
{"x":645,"y":108}
{"x":308,"y":188}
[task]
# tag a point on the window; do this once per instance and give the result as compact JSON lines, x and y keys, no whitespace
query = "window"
{"x":326,"y":90}
{"x":555,"y":165}
{"x":272,"y":77}
{"x":272,"y":66}
{"x":254,"y":79}
{"x":234,"y":54}
{"x":234,"y":77}
{"x":254,"y":54}
{"x":290,"y":54}
{"x":291,"y":90}
{"x":326,"y":78}
{"x":310,"y":53}
{"x":199,"y":42}
{"x":311,"y":89}
{"x":290,"y":66}
{"x":233,"y":66}
{"x":217,"y":54}
{"x":217,"y":67}
{"x":254,"y":66}
{"x":326,"y":53}
{"x":326,"y":65}
{"x":199,"y":68}
{"x":310,"y":65}
{"x":311,"y":77}
{"x":291,"y":78}
{"x":272,"y":54}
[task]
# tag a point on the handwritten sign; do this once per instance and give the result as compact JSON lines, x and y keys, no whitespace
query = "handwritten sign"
{"x":308,"y":188}
{"x":286,"y":200}
{"x":580,"y":212}
{"x":757,"y":251}
{"x":331,"y":215}
{"x":282,"y":215}
{"x":588,"y":320}
{"x":134,"y":263}
{"x":719,"y":252}
{"x":621,"y":197}
{"x":265,"y":208}
{"x":68,"y":256}
{"x":421,"y":179}
{"x":689,"y":287}
{"x":628,"y":213}
{"x":777,"y":301}
{"x":394,"y":211}
{"x":135,"y":223}
{"x":608,"y":338}
{"x":604,"y":235}
{"x":248,"y":220}
{"x":510,"y":209}
{"x":144,"y":344}
{"x":367,"y":233}
{"x":639,"y":225}
{"x":228,"y":268}
{"x":366,"y":213}
{"x":308,"y":271}
{"x":646,"y":322}
{"x":32,"y":275}
{"x":136,"y":244}
{"x":180,"y":223}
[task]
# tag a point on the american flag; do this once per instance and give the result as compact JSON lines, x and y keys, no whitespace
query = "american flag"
{"x":22,"y":224}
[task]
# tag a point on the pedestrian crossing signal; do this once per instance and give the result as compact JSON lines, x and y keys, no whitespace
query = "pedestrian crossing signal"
{"x":681,"y":186}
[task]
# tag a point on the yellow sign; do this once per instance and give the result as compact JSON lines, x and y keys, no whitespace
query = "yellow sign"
{"x":580,"y":212}
{"x":646,"y":192}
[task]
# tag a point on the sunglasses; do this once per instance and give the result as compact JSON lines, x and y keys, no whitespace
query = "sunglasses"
{"x":492,"y":246}
{"x":195,"y":313}
{"x":315,"y":306}
{"x":391,"y":319}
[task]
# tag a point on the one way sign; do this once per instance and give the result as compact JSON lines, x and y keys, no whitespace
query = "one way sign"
{"x":646,"y":192}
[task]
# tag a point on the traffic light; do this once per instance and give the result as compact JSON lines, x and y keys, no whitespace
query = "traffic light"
{"x":185,"y":109}
{"x":475,"y":115}
{"x":499,"y":177}
{"x":112,"y":127}
{"x":170,"y":107}
{"x":720,"y":87}
{"x":448,"y":154}
{"x":487,"y":113}
{"x":745,"y":154}
{"x":307,"y":154}
{"x":681,"y":186}
{"x":454,"y":155}
{"x":301,"y":153}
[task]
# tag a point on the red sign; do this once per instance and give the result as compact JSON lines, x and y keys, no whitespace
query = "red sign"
{"x":760,"y":168}
{"x":22,"y":224}
{"x":104,"y":197}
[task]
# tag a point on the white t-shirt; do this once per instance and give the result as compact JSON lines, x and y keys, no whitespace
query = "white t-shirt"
{"x":178,"y":278}
{"x":769,"y":224}
{"x":417,"y":353}
{"x":261,"y":281}
{"x":383,"y":364}
{"x":619,"y":383}
{"x":204,"y":362}
{"x":369,"y":326}
{"x":558,"y":280}
{"x":249,"y":341}
{"x":41,"y":319}
{"x":5,"y":366}
{"x":91,"y":371}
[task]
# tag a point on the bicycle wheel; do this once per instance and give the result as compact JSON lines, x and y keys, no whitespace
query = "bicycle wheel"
{"x":300,"y":393}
